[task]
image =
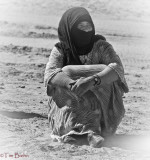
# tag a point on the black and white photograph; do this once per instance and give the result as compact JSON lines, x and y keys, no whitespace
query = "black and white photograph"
{"x":75,"y":79}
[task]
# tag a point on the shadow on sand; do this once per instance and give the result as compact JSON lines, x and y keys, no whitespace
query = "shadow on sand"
{"x":20,"y":115}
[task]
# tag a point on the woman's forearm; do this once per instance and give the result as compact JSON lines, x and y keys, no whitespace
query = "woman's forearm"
{"x":77,"y":71}
{"x":108,"y":75}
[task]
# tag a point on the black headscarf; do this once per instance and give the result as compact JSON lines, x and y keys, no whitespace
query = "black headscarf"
{"x":67,"y":25}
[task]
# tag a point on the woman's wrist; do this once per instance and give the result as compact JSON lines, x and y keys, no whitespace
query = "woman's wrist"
{"x":97,"y":80}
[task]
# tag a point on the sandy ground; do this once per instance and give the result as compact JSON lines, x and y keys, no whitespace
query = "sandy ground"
{"x":27,"y":33}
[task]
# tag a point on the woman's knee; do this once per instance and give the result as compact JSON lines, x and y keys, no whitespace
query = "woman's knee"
{"x":67,"y":70}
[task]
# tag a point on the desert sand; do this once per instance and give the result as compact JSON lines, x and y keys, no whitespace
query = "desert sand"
{"x":28,"y":31}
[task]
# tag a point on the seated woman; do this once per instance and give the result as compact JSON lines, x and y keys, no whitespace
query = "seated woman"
{"x":85,"y":82}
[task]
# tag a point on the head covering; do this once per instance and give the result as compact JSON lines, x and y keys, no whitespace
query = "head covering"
{"x":73,"y":41}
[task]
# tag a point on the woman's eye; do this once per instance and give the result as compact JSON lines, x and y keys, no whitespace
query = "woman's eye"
{"x":85,"y":26}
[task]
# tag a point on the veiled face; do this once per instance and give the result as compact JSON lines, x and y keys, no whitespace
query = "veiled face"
{"x":82,"y":33}
{"x":76,"y":31}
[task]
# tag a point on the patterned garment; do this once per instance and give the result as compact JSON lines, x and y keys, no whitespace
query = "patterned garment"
{"x":99,"y":111}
